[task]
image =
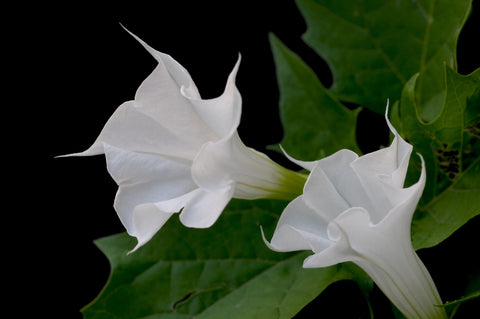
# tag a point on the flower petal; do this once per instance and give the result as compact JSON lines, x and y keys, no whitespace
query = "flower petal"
{"x":382,"y":174}
{"x":332,"y":255}
{"x":256,"y":176}
{"x":179,"y":74}
{"x":132,"y":130}
{"x":299,"y":228}
{"x":332,"y":187}
{"x":376,"y":172}
{"x":221,"y":114}
{"x":391,"y":163}
{"x":399,"y":218}
{"x":162,"y":97}
{"x":133,"y":168}
{"x":147,"y":220}
{"x":145,"y":178}
{"x":404,"y":151}
{"x":205,"y":207}
{"x":171,"y":90}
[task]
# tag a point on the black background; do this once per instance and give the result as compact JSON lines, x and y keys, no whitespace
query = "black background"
{"x":69,"y":66}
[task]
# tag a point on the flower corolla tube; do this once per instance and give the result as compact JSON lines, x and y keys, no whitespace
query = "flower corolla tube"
{"x":171,"y":150}
{"x":355,"y":209}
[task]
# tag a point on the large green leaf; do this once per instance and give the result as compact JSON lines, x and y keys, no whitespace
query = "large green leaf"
{"x":374,"y":47}
{"x":451,"y":148}
{"x":315,"y":123}
{"x":225,"y":271}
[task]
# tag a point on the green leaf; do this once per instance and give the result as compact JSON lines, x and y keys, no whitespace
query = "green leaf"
{"x":315,"y":123}
{"x":374,"y":47}
{"x":451,"y":148}
{"x":447,"y":212}
{"x":225,"y":271}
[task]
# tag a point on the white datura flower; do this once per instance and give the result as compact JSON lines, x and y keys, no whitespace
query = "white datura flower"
{"x":356,"y":209}
{"x":170,"y":150}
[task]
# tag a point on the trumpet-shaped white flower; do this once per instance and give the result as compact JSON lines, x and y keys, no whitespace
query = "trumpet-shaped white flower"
{"x":356,"y":209}
{"x":169,"y":150}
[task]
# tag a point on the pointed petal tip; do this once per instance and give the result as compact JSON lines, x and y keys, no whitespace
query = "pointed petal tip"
{"x":141,"y":241}
{"x":309,"y":262}
{"x":137,"y":246}
{"x":233,"y":74}
{"x":423,"y":175}
{"x":269,"y":244}
{"x":390,"y":126}
{"x":62,"y":156}
{"x":308,"y":165}
{"x":124,"y":27}
{"x":239,"y":59}
{"x":132,"y":34}
{"x":156,"y":54}
{"x":265,"y":239}
{"x":88,"y":152}
{"x":133,"y":250}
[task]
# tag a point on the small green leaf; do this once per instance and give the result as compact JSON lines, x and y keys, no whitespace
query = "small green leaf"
{"x":225,"y":271}
{"x":374,"y":47}
{"x":472,"y":292}
{"x":450,"y":147}
{"x":471,"y":296}
{"x":316,"y":124}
